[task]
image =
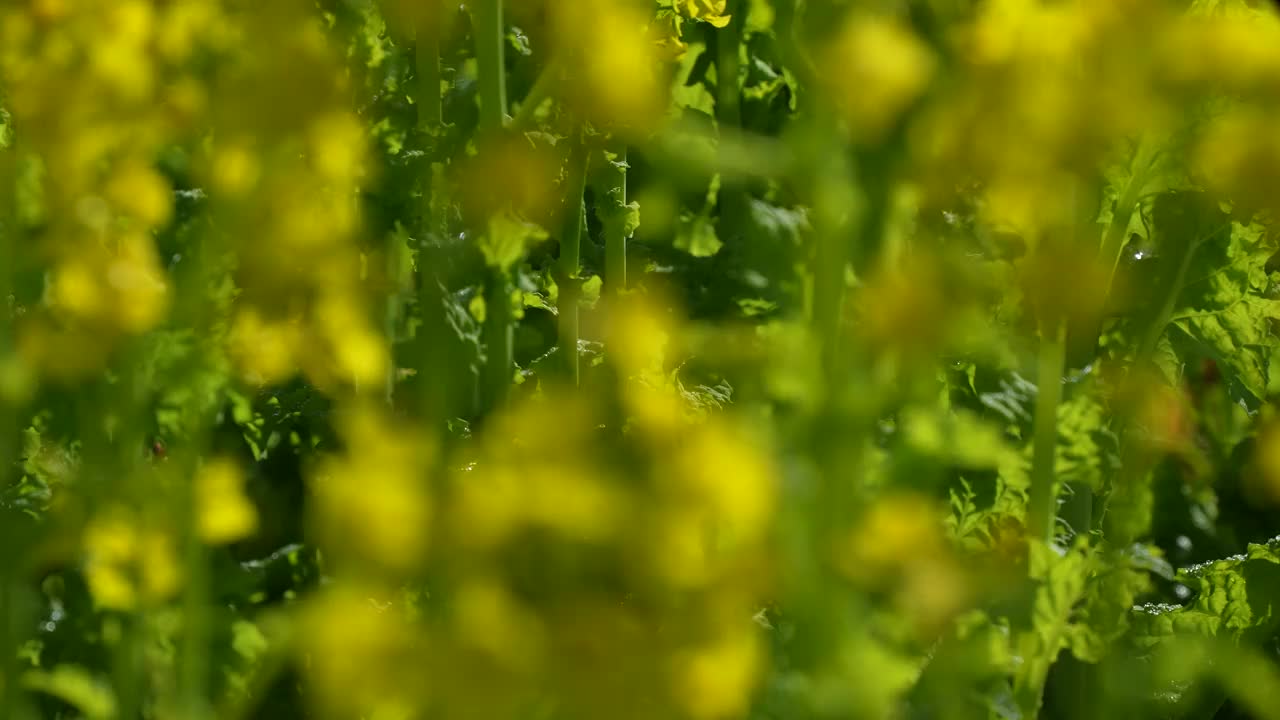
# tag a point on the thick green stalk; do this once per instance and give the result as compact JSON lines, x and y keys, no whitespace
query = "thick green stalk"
{"x":489,"y":31}
{"x":1042,"y":508}
{"x":615,"y":238}
{"x":427,"y":97}
{"x":570,"y":257}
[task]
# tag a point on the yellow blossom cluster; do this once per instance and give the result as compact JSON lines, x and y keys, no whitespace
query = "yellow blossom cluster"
{"x":129,"y":563}
{"x":284,"y":166}
{"x":1045,"y":90}
{"x":96,"y":90}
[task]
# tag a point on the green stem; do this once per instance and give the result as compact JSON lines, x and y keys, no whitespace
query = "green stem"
{"x":1042,"y":508}
{"x":8,"y":664}
{"x":831,"y":190}
{"x":615,"y":239}
{"x":194,"y":666}
{"x":427,"y":60}
{"x":489,"y":31}
{"x":499,"y":335}
{"x":400,"y":278}
{"x":728,"y":40}
{"x":570,"y":256}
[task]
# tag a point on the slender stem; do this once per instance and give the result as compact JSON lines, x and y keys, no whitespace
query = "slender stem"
{"x":499,"y":335}
{"x":400,"y":280}
{"x":489,"y":32}
{"x":195,"y":641}
{"x":728,"y":40}
{"x":427,"y":60}
{"x":8,"y":664}
{"x":1042,"y":508}
{"x":832,"y":195}
{"x":570,"y":256}
{"x":615,"y":239}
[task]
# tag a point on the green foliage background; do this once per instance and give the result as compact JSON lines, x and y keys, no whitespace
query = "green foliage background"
{"x":695,"y":359}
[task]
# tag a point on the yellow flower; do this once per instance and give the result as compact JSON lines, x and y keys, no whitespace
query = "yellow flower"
{"x":711,"y":11}
{"x":126,"y":564}
{"x":728,"y":475}
{"x":897,"y":531}
{"x":110,"y":544}
{"x":337,"y":146}
{"x":615,"y":80}
{"x":359,"y":354}
{"x":264,"y":349}
{"x":353,"y":648}
{"x":143,"y":193}
{"x":76,"y":289}
{"x":875,"y":69}
{"x":234,"y":170}
{"x":488,"y":619}
{"x":715,"y":681}
{"x":140,"y":284}
{"x":224,"y":514}
{"x":372,"y":501}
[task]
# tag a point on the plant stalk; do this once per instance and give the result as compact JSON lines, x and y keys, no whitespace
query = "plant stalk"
{"x":728,"y":40}
{"x":499,"y":336}
{"x":427,"y":61}
{"x":490,"y":35}
{"x":1042,"y":508}
{"x":570,"y":257}
{"x":615,"y":240}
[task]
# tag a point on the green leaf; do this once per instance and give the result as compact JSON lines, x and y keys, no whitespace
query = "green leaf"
{"x":697,"y":236}
{"x":77,"y":687}
{"x":508,"y":239}
{"x":1224,"y":308}
{"x":1060,"y":577}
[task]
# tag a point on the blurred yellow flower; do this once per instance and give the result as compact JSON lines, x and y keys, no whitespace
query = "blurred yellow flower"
{"x":234,"y":169}
{"x":223,"y":513}
{"x":140,"y":284}
{"x":372,"y":502}
{"x":337,"y":146}
{"x":354,"y":650}
{"x":143,"y":193}
{"x":896,"y":531}
{"x":488,"y":619}
{"x":715,"y":681}
{"x":614,"y":78}
{"x":731,"y":476}
{"x":874,"y":69}
{"x":264,"y":349}
{"x":126,"y":564}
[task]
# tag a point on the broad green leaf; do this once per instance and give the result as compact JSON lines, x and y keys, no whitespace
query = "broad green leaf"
{"x":1061,"y":584}
{"x":1225,"y":309}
